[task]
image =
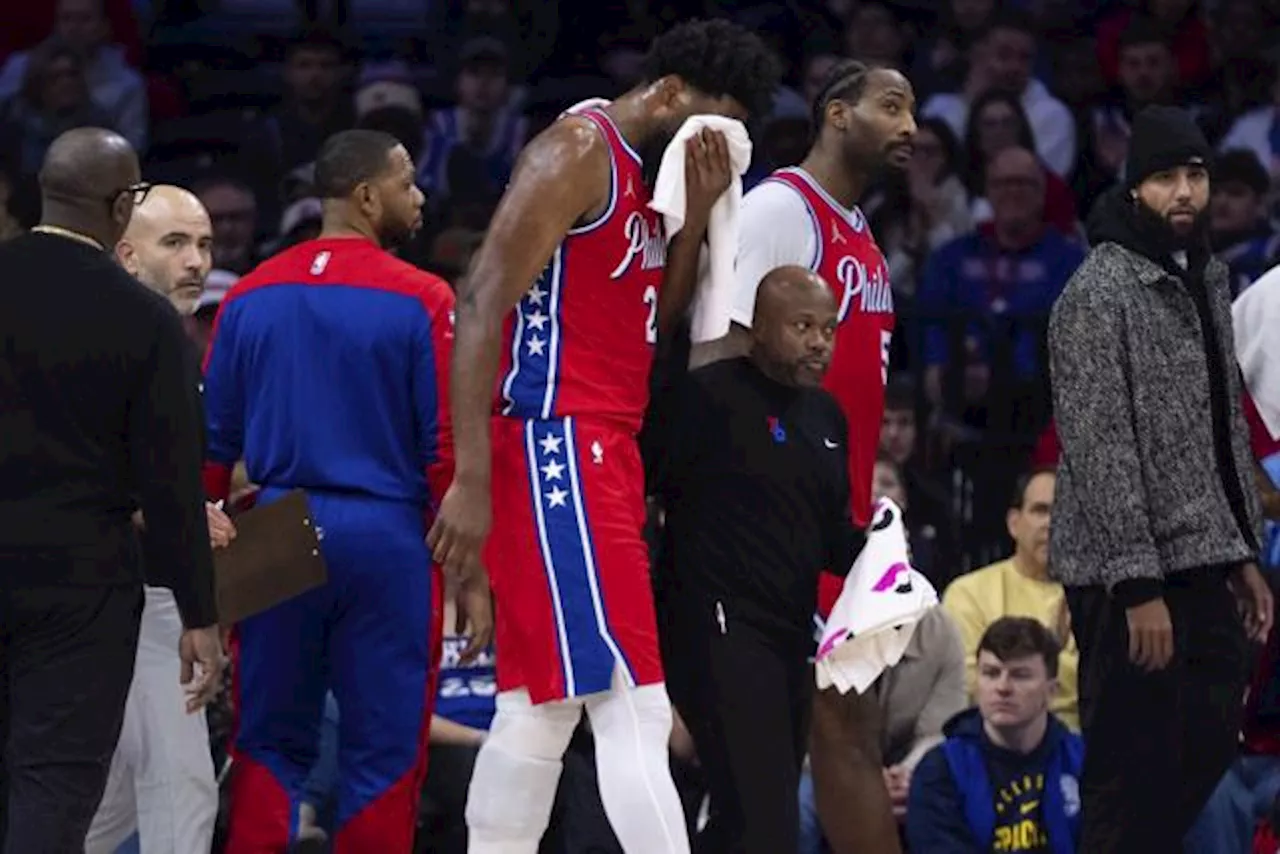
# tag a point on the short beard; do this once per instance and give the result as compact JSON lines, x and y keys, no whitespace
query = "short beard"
{"x":651,"y":153}
{"x":870,"y":166}
{"x":1160,"y":230}
{"x":392,"y":238}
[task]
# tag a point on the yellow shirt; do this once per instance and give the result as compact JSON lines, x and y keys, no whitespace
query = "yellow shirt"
{"x":978,"y":599}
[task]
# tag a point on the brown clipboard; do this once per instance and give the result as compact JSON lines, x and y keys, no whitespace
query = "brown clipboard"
{"x":274,"y":557}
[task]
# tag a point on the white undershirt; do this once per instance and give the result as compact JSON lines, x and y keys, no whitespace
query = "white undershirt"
{"x":775,"y":230}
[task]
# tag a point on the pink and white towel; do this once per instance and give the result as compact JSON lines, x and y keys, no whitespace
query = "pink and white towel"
{"x":876,"y":614}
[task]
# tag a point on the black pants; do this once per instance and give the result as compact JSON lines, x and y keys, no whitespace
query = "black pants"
{"x":745,"y":696}
{"x":66,"y":661}
{"x":1157,"y":743}
{"x":442,"y":824}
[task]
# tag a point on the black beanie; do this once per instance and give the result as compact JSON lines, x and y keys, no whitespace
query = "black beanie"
{"x":1163,"y":138}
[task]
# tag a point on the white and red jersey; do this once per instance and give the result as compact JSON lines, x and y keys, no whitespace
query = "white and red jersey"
{"x":1255,"y":315}
{"x":581,"y":341}
{"x":788,"y":219}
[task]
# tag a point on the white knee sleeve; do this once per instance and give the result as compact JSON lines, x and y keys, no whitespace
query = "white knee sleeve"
{"x":632,"y":727}
{"x":513,"y":786}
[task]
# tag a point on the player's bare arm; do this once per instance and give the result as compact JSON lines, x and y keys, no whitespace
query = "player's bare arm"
{"x":707,"y":171}
{"x":736,"y":343}
{"x":561,"y":178}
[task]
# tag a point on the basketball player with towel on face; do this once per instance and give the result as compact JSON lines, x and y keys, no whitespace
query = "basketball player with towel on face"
{"x":570,"y":292}
{"x":808,"y":216}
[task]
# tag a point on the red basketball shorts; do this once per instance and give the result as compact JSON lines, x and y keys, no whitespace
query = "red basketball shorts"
{"x":569,"y":567}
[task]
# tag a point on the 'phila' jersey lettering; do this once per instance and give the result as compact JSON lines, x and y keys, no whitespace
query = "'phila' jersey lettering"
{"x":581,"y":340}
{"x":847,"y":257}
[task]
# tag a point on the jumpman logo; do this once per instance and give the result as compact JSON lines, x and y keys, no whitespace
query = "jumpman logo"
{"x":631,"y":188}
{"x":836,"y":236}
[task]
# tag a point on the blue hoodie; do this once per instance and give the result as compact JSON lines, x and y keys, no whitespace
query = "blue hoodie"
{"x":969,"y":796}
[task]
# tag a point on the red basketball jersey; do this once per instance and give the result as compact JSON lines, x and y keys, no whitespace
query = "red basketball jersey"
{"x":851,"y":263}
{"x":581,"y":340}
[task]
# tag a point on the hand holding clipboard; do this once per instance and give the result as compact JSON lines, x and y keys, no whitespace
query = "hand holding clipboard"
{"x":274,"y":556}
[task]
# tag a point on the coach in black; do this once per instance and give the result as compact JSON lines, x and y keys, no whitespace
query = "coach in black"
{"x":99,"y":414}
{"x":756,"y":499}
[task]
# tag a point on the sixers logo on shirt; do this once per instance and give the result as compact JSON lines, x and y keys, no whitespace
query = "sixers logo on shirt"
{"x":870,"y":287}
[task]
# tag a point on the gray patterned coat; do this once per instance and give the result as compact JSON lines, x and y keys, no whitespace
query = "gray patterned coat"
{"x":1139,"y":494}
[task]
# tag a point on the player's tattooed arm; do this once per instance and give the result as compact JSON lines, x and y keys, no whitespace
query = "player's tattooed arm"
{"x":560,"y":177}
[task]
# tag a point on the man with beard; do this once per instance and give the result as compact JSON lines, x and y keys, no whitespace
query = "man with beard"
{"x":757,"y":503}
{"x":328,"y":372}
{"x":577,"y":267}
{"x":168,"y":246}
{"x":1156,"y":520}
{"x":808,"y":216}
{"x":162,"y":781}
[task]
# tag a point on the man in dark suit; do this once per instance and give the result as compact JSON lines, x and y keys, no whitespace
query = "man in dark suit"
{"x":100,"y":416}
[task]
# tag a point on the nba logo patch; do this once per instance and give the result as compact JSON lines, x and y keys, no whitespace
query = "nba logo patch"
{"x":776,"y":429}
{"x":1070,"y":787}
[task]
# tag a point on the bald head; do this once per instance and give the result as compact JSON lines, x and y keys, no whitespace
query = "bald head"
{"x":84,"y":182}
{"x":164,"y":203}
{"x":88,"y":164}
{"x":168,"y":245}
{"x":793,"y":327}
{"x":784,"y":285}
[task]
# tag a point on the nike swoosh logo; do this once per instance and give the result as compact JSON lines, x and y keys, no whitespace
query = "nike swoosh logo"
{"x":830,"y":444}
{"x":1028,"y":807}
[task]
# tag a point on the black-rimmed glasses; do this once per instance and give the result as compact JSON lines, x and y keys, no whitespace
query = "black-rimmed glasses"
{"x":139,"y":191}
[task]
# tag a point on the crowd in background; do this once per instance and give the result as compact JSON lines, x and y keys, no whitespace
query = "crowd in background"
{"x":1024,"y":109}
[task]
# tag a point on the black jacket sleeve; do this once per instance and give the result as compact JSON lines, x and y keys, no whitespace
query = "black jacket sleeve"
{"x":844,"y":539}
{"x":686,"y":413}
{"x":165,"y":456}
{"x":669,"y":373}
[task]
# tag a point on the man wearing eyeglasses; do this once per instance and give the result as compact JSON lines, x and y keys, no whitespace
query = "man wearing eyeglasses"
{"x":162,"y":781}
{"x":98,"y":416}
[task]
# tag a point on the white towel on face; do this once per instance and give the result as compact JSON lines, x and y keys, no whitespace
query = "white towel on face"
{"x":713,"y":300}
{"x":878,"y":610}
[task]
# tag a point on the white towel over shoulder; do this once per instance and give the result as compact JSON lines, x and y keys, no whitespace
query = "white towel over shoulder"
{"x":713,"y":301}
{"x":878,"y":610}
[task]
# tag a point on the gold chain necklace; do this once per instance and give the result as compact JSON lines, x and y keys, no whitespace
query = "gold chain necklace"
{"x":68,"y":233}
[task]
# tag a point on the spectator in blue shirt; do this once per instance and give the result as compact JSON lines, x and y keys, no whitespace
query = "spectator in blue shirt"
{"x":1007,"y":776}
{"x":1004,"y":277}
